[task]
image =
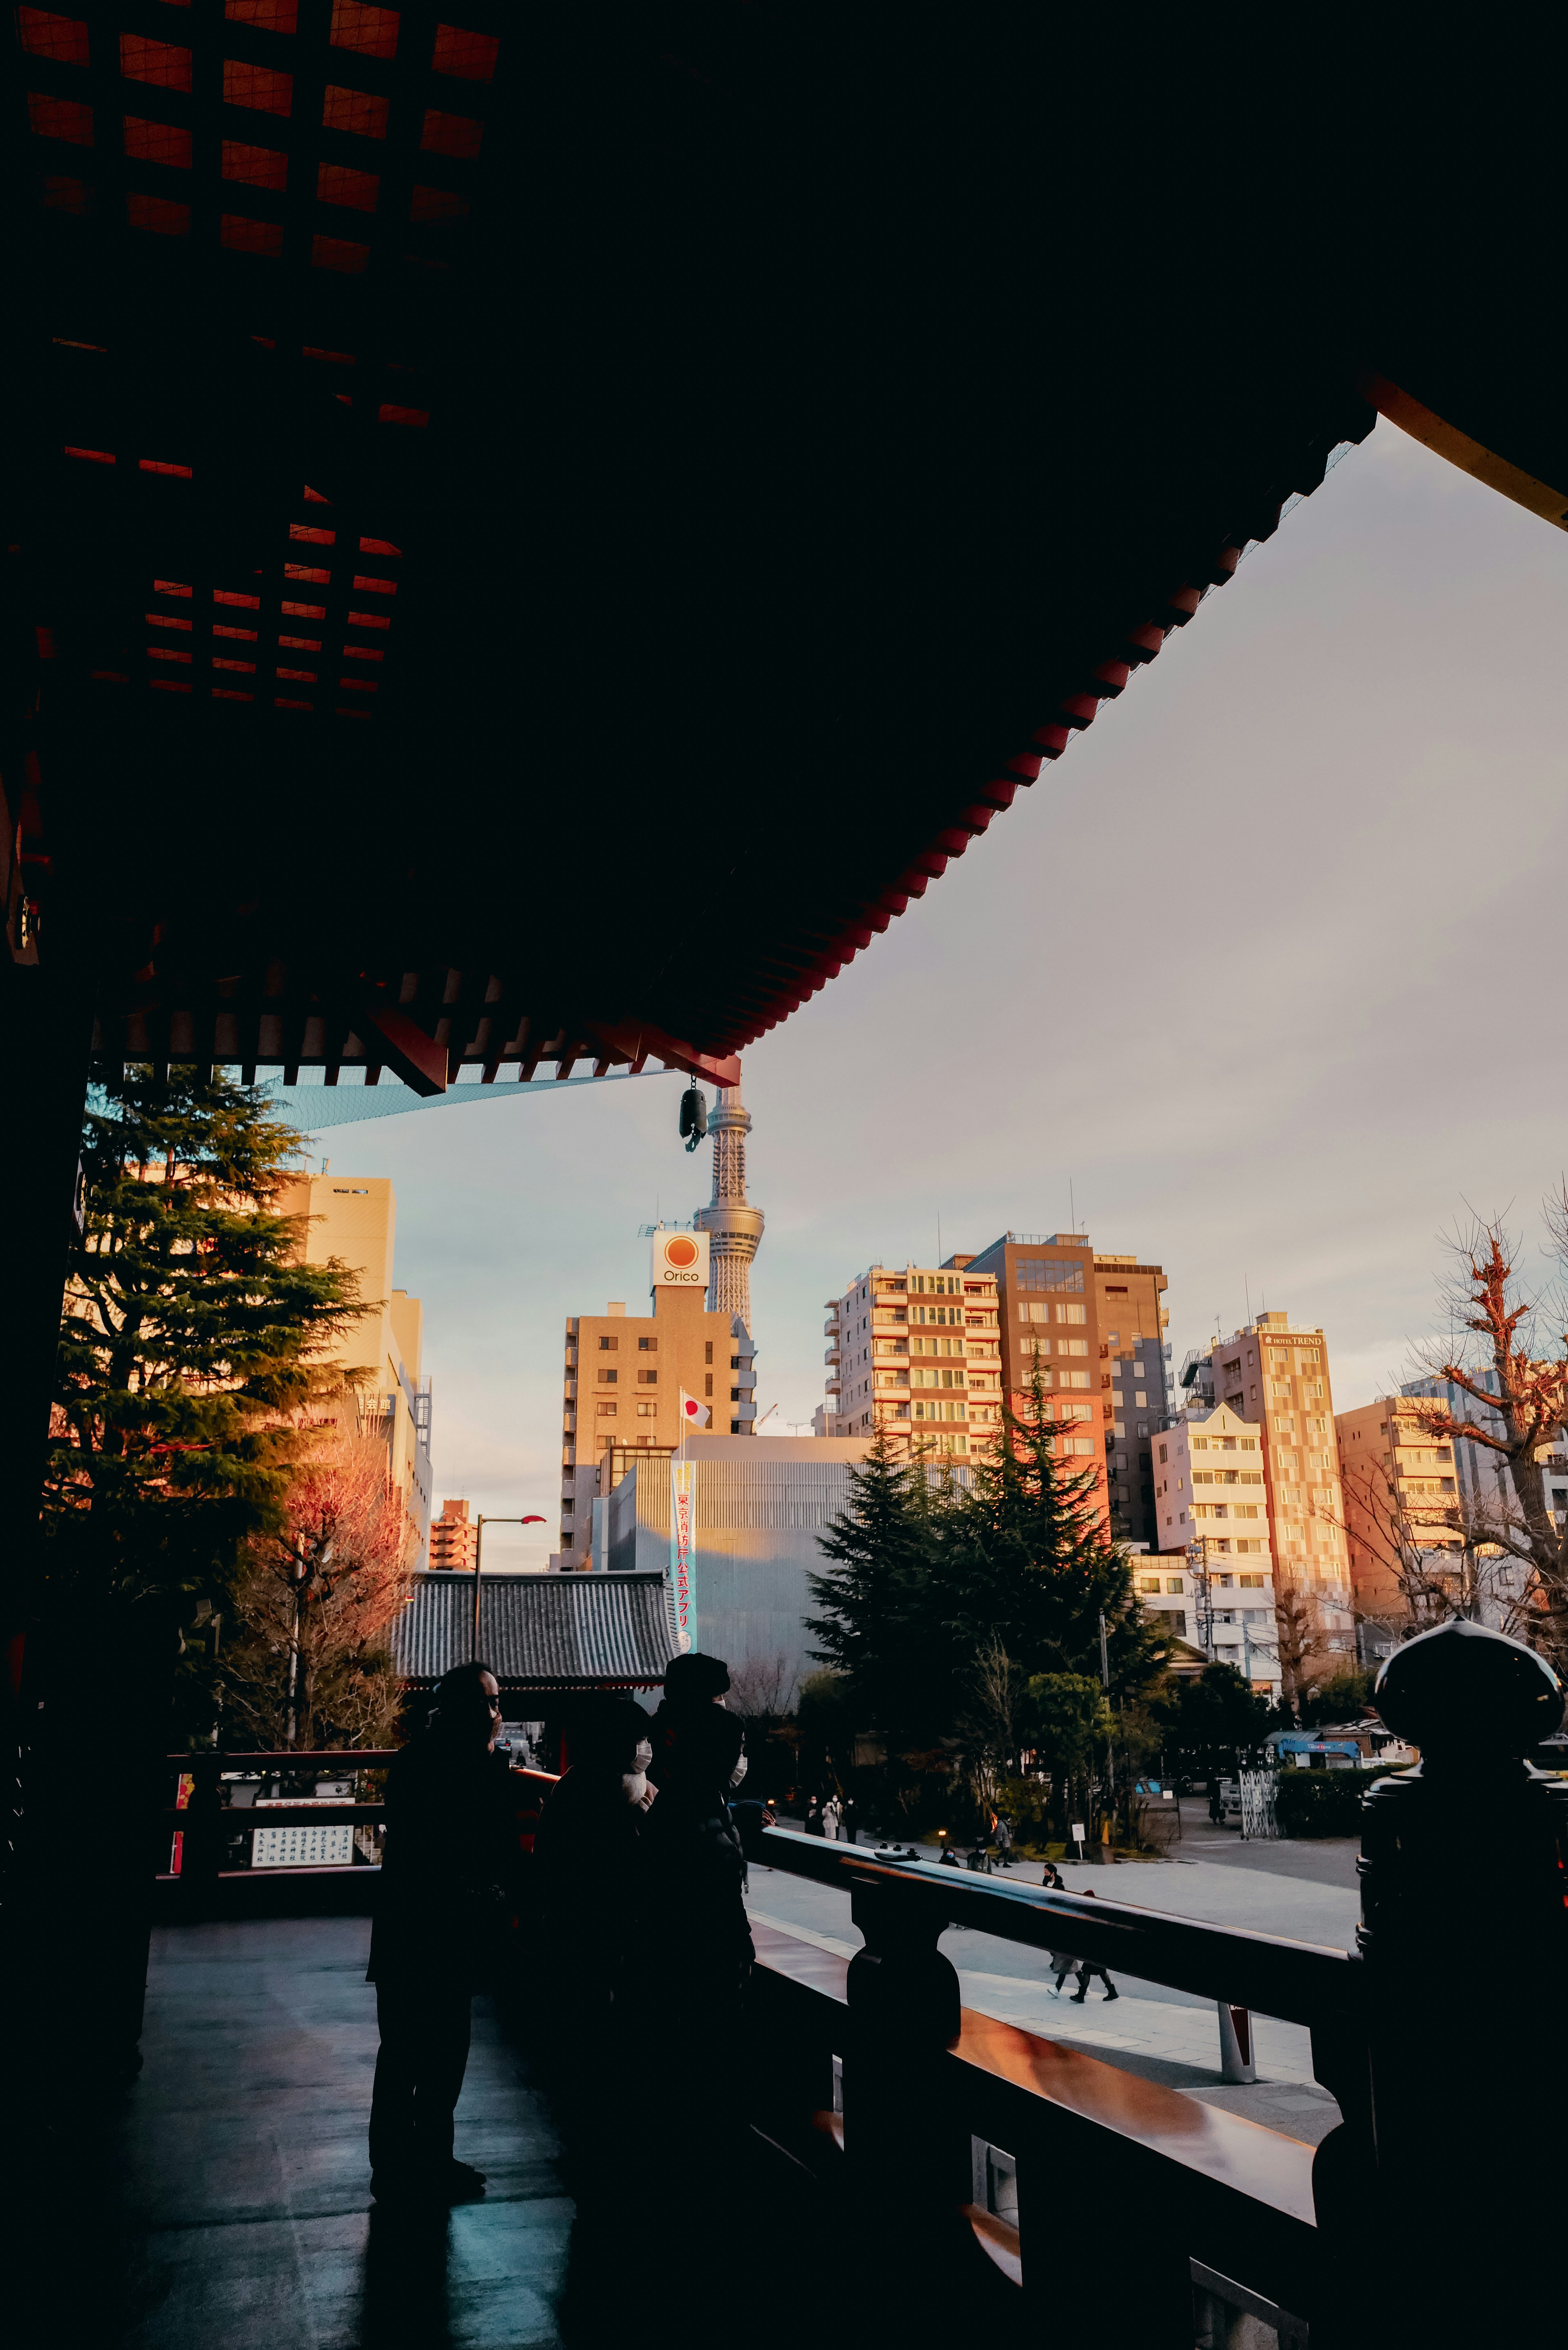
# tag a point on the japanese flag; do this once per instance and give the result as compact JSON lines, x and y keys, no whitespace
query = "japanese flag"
{"x":695,"y":1414}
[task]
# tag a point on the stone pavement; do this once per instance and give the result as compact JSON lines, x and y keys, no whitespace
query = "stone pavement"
{"x":1166,"y":2035}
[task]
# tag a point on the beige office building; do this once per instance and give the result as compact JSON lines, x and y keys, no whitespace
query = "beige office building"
{"x":355,"y":1217}
{"x":917,"y":1349}
{"x":1398,"y":1481}
{"x":1277,"y":1377}
{"x":624,"y":1374}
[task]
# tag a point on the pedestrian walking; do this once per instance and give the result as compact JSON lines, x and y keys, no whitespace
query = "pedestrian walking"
{"x":1216,"y":1804}
{"x":832,"y":1813}
{"x":447,"y":1895}
{"x":1063,"y":1964}
{"x":1087,"y":1968}
{"x":815,"y":1824}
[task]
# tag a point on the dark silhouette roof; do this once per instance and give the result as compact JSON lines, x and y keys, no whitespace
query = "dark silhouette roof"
{"x":540,"y":1631}
{"x":468,"y":442}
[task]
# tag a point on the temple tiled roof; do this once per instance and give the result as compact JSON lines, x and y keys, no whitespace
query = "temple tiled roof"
{"x":540,"y":1631}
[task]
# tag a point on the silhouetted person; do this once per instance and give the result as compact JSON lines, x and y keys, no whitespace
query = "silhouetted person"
{"x":694,"y":1954}
{"x":443,"y":1906}
{"x":586,"y":1885}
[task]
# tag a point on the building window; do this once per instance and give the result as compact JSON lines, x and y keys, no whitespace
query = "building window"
{"x":644,"y":1411}
{"x":734,"y":1395}
{"x":1047,"y":1273}
{"x":645,"y":1379}
{"x":734,"y":1428}
{"x":647,"y":1346}
{"x":735,"y":1362}
{"x":708,"y":1384}
{"x":1070,"y":1312}
{"x":708,"y":1351}
{"x":607,"y":1411}
{"x":608,"y":1345}
{"x":608,"y":1378}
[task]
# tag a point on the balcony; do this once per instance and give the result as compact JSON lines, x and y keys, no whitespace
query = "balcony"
{"x":901,"y":2155}
{"x":832,"y":1387}
{"x":832,"y":1355}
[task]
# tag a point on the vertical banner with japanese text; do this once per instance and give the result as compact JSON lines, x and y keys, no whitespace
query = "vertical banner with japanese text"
{"x":682,"y":1584}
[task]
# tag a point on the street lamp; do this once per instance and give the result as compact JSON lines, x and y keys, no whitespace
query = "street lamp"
{"x":478,"y":1548}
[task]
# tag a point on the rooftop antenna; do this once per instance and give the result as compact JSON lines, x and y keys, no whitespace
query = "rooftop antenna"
{"x":1247,"y":1288}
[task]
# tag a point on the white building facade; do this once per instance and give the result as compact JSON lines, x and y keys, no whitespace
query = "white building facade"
{"x":1214,"y":1577}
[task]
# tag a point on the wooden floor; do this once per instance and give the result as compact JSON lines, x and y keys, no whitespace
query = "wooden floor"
{"x":244,"y":2217}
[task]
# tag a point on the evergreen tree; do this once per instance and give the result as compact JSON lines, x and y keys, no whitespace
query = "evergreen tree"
{"x":877,"y":1627}
{"x":1215,"y":1718}
{"x":191,"y":1345}
{"x":1025,"y":1562}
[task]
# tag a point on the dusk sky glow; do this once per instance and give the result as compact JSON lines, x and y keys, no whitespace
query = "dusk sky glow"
{"x":1263,"y":968}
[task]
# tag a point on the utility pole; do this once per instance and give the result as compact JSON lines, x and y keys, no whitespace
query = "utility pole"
{"x":1197,"y":1564}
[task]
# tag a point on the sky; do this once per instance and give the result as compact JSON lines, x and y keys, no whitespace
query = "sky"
{"x":1261,"y":978}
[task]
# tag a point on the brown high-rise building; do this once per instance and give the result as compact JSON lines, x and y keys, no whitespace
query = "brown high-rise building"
{"x":1132,"y":1324}
{"x":454,"y":1538}
{"x":1049,"y":1305}
{"x":1279,"y":1377}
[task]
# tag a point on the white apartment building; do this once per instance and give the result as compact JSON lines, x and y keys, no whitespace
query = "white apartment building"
{"x":917,"y":1351}
{"x":1214,"y":1579}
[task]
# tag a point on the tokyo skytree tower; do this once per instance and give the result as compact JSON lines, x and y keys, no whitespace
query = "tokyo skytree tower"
{"x":733,"y":1228}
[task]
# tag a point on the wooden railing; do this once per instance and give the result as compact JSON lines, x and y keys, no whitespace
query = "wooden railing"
{"x":877,"y":2073}
{"x":1106,"y":2210}
{"x":207,"y":1824}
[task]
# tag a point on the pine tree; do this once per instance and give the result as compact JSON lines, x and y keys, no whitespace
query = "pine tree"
{"x":1026,"y":1563}
{"x":191,"y":1348}
{"x":877,"y":1626}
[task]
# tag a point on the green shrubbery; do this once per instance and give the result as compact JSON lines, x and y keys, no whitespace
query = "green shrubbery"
{"x":1323,"y":1803}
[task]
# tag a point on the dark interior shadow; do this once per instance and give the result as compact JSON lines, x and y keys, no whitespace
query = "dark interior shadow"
{"x":406,"y":2304}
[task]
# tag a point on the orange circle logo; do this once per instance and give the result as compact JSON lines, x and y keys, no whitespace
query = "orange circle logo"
{"x":680,"y":1252}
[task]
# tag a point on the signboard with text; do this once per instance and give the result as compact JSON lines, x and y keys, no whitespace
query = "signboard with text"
{"x":682,"y":1517}
{"x":679,"y":1261}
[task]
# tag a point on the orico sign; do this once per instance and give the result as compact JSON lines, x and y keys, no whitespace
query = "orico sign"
{"x":679,"y":1261}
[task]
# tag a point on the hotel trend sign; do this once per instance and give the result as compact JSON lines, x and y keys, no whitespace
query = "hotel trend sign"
{"x":679,"y":1261}
{"x":682,"y":1583}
